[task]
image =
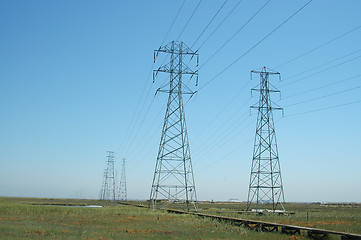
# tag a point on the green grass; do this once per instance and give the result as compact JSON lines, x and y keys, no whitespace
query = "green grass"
{"x":22,"y":218}
{"x":337,"y":217}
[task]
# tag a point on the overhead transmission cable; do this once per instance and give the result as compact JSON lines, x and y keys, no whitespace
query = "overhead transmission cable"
{"x":220,"y":24}
{"x":229,"y":129}
{"x":189,"y":19}
{"x":254,"y":46}
{"x":221,"y":129}
{"x":139,"y":115}
{"x":215,"y":15}
{"x":274,"y":29}
{"x":323,"y":86}
{"x":135,"y":111}
{"x":222,"y":110}
{"x":147,"y":111}
{"x":127,"y":135}
{"x":171,"y":26}
{"x":147,"y":137}
{"x":318,"y":47}
{"x":226,"y":136}
{"x":325,"y":108}
{"x":311,"y":75}
{"x":220,"y":113}
{"x":224,"y":156}
{"x":129,"y":141}
{"x":235,"y":34}
{"x":324,"y":64}
{"x":139,"y":151}
{"x":227,"y":154}
{"x":324,"y":96}
{"x":226,"y":132}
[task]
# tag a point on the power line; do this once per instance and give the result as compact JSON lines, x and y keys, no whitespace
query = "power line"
{"x":223,"y":133}
{"x":128,"y":134}
{"x":311,"y":75}
{"x":223,"y":109}
{"x":324,"y":64}
{"x":130,"y":139}
{"x":235,"y":34}
{"x":228,"y":130}
{"x":224,"y":156}
{"x":220,"y":24}
{"x":323,"y":86}
{"x":176,"y":16}
{"x":185,"y":26}
{"x":328,"y":95}
{"x":249,"y":50}
{"x":223,"y":139}
{"x":136,"y":121}
{"x":209,"y":23}
{"x":135,"y":111}
{"x":148,"y":141}
{"x":318,"y":47}
{"x":325,"y":108}
{"x":146,"y":154}
{"x":141,"y":124}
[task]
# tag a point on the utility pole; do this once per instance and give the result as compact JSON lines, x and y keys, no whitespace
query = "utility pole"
{"x":173,"y":180}
{"x":123,"y":184}
{"x":108,"y":188}
{"x":265,"y":186}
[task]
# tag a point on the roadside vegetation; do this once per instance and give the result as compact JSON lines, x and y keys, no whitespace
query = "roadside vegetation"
{"x":29,"y":218}
{"x":343,"y":217}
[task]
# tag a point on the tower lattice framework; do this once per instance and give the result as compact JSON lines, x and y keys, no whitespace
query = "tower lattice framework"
{"x":108,"y":191}
{"x":123,"y":183}
{"x":265,"y":187}
{"x":173,"y":180}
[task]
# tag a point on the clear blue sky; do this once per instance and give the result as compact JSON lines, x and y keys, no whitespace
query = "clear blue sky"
{"x":73,"y":73}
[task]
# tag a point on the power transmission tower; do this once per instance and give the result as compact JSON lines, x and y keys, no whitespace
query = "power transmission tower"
{"x":123,"y":184}
{"x":265,"y":186}
{"x":108,"y":188}
{"x":173,"y":180}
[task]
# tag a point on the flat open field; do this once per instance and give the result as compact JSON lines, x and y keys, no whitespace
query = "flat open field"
{"x":337,"y":217}
{"x":29,"y":218}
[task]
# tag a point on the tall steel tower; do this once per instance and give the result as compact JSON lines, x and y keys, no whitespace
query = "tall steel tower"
{"x":108,"y":188}
{"x":123,"y":184}
{"x":265,"y":186}
{"x":173,"y":180}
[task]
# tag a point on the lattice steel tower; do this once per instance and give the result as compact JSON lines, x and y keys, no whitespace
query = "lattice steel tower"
{"x":173,"y":180}
{"x":123,"y":184}
{"x":265,"y":187}
{"x":108,"y":189}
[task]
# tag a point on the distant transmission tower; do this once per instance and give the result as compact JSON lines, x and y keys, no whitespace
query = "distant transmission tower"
{"x":108,"y":188}
{"x":173,"y":180}
{"x":123,"y":184}
{"x":265,"y":187}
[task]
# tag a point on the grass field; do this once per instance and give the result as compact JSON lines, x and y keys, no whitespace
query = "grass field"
{"x":337,"y":217}
{"x":26,"y":218}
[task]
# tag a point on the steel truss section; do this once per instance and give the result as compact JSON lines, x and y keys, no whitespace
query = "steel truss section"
{"x":108,"y":188}
{"x":265,"y":186}
{"x":123,"y":183}
{"x":173,"y":181}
